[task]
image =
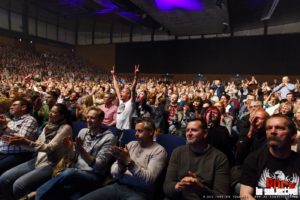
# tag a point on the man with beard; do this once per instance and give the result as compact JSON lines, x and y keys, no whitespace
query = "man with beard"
{"x":197,"y":170}
{"x":273,"y":171}
{"x":255,"y":139}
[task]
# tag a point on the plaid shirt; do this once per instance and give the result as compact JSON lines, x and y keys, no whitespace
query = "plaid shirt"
{"x":25,"y":126}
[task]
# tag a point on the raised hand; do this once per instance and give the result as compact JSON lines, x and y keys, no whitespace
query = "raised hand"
{"x":136,"y":69}
{"x":113,"y":71}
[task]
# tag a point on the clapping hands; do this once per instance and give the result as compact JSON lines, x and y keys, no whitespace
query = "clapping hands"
{"x":190,"y":183}
{"x":121,"y":154}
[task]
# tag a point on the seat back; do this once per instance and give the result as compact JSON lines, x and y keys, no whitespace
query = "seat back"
{"x":170,"y":142}
{"x":127,"y":136}
{"x":77,"y":126}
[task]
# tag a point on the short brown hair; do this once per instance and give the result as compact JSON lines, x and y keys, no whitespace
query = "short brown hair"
{"x":290,"y":124}
{"x":100,"y":113}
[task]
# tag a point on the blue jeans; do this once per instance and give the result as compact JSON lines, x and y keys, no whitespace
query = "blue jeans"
{"x":23,"y":179}
{"x":69,"y":184}
{"x":115,"y":191}
{"x":8,"y":161}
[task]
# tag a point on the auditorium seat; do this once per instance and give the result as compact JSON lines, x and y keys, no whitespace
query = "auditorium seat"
{"x":127,"y":136}
{"x":170,"y":142}
{"x":77,"y":126}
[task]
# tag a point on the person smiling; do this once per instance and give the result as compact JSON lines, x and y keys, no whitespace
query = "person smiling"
{"x":197,"y":170}
{"x":26,"y":177}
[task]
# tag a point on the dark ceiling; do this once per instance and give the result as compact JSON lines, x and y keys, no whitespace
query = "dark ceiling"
{"x":179,"y":18}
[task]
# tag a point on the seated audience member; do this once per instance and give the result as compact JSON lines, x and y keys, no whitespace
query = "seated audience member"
{"x":137,"y":168}
{"x":184,"y":116}
{"x":218,"y":88}
{"x":5,"y":103}
{"x":272,"y":172}
{"x":286,"y":108}
{"x":23,"y":125}
{"x":218,"y":136}
{"x":197,"y":107}
{"x":243,"y":124}
{"x":296,"y":120}
{"x":197,"y":170}
{"x":172,"y":109}
{"x":284,"y":88}
{"x":160,"y":115}
{"x":83,"y":108}
{"x":109,"y":109}
{"x":290,"y":97}
{"x":26,"y":177}
{"x":226,"y":119}
{"x":85,"y":164}
{"x":255,"y":138}
{"x":41,"y":110}
{"x":142,"y":109}
{"x":73,"y":105}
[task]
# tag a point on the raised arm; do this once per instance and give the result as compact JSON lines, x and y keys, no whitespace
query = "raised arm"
{"x":115,"y":83}
{"x":134,"y":83}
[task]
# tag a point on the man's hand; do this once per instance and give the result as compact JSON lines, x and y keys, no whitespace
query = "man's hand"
{"x":113,"y":72}
{"x":253,"y":126}
{"x":15,"y":140}
{"x":121,"y":154}
{"x":78,"y":144}
{"x":136,"y":70}
{"x":190,"y":183}
{"x":6,"y":138}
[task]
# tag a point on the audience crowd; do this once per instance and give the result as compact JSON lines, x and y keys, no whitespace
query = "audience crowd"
{"x":242,"y":137}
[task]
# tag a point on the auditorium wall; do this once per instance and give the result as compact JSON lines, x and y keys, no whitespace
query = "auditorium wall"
{"x":47,"y":47}
{"x":6,"y":40}
{"x":276,"y":55}
{"x":102,"y":56}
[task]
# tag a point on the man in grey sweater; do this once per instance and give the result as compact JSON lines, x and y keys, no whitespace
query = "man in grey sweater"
{"x":137,"y":168}
{"x":197,"y":170}
{"x":86,"y":162}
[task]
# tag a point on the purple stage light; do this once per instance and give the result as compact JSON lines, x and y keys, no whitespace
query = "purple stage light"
{"x":130,"y":16}
{"x":106,"y":4}
{"x":104,"y":11}
{"x":73,"y":2}
{"x":166,"y":5}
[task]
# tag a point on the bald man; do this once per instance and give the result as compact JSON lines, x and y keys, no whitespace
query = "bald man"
{"x":256,"y":136}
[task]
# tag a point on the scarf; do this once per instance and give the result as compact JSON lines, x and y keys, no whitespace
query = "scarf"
{"x":50,"y":130}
